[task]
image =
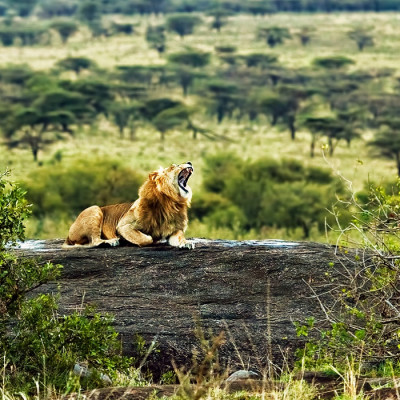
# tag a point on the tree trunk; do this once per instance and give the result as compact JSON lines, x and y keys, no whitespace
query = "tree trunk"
{"x":312,"y":147}
{"x":331,"y":146}
{"x":292,"y":128}
{"x":252,"y":290}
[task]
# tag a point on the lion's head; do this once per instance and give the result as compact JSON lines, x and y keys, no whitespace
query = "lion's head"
{"x":171,"y":181}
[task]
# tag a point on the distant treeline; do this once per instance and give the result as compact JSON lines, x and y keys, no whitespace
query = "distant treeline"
{"x":50,"y":8}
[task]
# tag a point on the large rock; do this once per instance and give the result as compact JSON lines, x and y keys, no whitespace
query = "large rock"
{"x":252,"y":290}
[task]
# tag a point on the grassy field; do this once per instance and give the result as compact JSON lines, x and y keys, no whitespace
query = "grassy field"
{"x":249,"y":141}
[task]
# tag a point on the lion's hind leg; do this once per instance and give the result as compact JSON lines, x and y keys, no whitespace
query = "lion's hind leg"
{"x":86,"y":230}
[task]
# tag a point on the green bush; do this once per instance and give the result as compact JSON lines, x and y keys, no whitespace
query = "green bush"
{"x":66,"y":191}
{"x":36,"y":341}
{"x":47,"y":343}
{"x":363,"y":326}
{"x":267,"y":193}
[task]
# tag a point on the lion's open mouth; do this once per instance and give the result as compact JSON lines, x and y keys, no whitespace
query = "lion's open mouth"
{"x":183,"y":178}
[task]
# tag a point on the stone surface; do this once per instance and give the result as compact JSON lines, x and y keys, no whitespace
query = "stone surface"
{"x":252,"y":290}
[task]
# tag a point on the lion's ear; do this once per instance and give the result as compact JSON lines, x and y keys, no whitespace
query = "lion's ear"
{"x":153,"y":175}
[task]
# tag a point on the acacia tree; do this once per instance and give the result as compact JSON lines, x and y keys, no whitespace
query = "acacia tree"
{"x":45,"y":120}
{"x":283,"y":105}
{"x":96,"y":92}
{"x":331,"y":127}
{"x":333,"y":62}
{"x":65,"y":28}
{"x":29,"y":127}
{"x":260,"y":60}
{"x":171,"y":118}
{"x":352,"y":120}
{"x":24,"y":7}
{"x":184,"y":66}
{"x":274,"y":35}
{"x":219,"y":18}
{"x":305,"y":35}
{"x":183,"y":24}
{"x":154,"y":111}
{"x":156,"y":38}
{"x":90,"y":13}
{"x":224,"y":97}
{"x":362,"y":37}
{"x":387,"y":141}
{"x":126,"y":115}
{"x":76,"y":64}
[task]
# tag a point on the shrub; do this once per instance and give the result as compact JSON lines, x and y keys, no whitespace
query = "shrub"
{"x":281,"y":194}
{"x":37,"y":342}
{"x":66,"y":191}
{"x":362,"y":311}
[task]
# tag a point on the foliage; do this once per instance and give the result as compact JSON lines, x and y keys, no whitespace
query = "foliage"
{"x":362,"y":37}
{"x":156,"y":38}
{"x":219,"y":15}
{"x":52,"y":344}
{"x":47,"y":116}
{"x":387,"y":141}
{"x":13,"y":211}
{"x":361,"y":312}
{"x":64,"y":191}
{"x":65,"y":28}
{"x":272,"y":194}
{"x":24,"y":7}
{"x":192,"y":58}
{"x":274,"y":35}
{"x":29,"y":126}
{"x":333,"y":128}
{"x":36,"y":341}
{"x":171,"y":118}
{"x":261,"y":60}
{"x":76,"y":64}
{"x":182,"y":24}
{"x":89,"y":12}
{"x":305,"y":35}
{"x":126,"y":28}
{"x":57,"y":8}
{"x":27,"y":33}
{"x":224,"y":97}
{"x":126,"y":115}
{"x":98,"y":93}
{"x":333,"y":62}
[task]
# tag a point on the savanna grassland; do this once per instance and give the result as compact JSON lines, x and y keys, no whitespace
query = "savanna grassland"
{"x":249,"y":140}
{"x":285,"y":117}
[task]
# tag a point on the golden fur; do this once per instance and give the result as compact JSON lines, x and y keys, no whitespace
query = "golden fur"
{"x":159,"y":213}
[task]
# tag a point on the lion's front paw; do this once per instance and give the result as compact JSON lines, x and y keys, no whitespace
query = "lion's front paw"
{"x":187,"y":245}
{"x":113,"y":242}
{"x":178,"y":240}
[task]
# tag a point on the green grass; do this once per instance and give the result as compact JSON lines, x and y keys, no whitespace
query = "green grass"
{"x":248,"y":141}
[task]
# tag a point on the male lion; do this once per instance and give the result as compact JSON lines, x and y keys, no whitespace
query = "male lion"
{"x":159,"y":213}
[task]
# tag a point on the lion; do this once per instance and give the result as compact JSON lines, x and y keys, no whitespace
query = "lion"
{"x":160,"y":213}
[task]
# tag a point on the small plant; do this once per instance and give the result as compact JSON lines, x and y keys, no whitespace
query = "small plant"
{"x":205,"y":376}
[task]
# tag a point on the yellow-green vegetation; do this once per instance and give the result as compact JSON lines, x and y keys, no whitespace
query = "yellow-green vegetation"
{"x":251,"y":140}
{"x":272,"y":111}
